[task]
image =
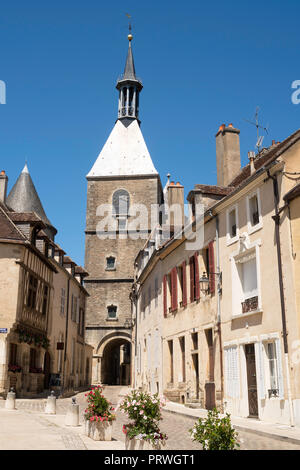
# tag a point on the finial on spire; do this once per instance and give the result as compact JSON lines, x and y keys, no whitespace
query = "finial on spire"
{"x":129,"y":27}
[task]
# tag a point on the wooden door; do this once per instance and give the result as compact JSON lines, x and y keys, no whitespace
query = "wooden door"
{"x":251,"y":380}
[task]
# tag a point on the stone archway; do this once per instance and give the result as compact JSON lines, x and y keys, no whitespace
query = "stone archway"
{"x":115,"y":363}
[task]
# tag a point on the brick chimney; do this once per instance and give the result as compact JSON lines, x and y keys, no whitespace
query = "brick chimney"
{"x":176,"y":199}
{"x":3,"y":186}
{"x":228,"y":154}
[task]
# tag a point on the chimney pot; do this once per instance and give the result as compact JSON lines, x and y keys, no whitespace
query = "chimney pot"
{"x":228,"y":155}
{"x":3,"y":186}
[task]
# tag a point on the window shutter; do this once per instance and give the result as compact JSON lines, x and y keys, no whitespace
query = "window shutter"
{"x":197,"y":287}
{"x":232,"y":372}
{"x":184,"y":293}
{"x":211,"y":267}
{"x":259,"y":353}
{"x":174,"y":288}
{"x":165,"y":295}
{"x":279,"y":369}
{"x":192,"y":278}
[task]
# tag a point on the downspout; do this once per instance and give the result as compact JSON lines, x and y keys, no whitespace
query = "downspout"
{"x":276,"y":219}
{"x":219,"y":291}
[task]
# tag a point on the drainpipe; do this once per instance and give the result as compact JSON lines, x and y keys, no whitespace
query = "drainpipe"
{"x":219,"y":291}
{"x":276,"y":219}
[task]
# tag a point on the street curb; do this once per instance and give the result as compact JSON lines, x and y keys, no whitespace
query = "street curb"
{"x":279,"y":437}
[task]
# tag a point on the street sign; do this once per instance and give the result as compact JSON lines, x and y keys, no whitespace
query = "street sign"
{"x":3,"y":330}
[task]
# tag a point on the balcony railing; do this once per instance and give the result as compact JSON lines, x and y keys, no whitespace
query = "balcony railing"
{"x":250,"y":304}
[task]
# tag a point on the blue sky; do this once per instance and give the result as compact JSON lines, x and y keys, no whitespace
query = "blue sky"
{"x":202,"y":64}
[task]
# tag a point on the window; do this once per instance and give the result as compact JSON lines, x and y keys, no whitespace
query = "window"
{"x":32,"y":290}
{"x":182,"y":349}
{"x":45,"y":300}
{"x":171,"y":365}
{"x":249,"y":278}
{"x":111,"y":312}
{"x":273,"y":371}
{"x":120,"y":202}
{"x":232,"y":225}
{"x":254,"y":212}
{"x":110,"y":263}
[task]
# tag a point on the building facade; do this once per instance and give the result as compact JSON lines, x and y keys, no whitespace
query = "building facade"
{"x":42,"y":339}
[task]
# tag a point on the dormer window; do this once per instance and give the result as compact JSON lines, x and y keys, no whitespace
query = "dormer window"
{"x":110,"y":263}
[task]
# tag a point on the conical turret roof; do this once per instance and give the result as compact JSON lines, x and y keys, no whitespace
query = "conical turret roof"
{"x":23,"y":197}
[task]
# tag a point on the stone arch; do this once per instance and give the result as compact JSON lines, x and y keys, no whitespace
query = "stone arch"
{"x":115,"y":353}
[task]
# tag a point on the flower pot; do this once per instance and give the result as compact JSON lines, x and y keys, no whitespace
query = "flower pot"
{"x":99,"y":430}
{"x":141,"y":444}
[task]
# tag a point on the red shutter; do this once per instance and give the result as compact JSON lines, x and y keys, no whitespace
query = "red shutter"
{"x":165,"y":295}
{"x":192,"y":278}
{"x":184,"y":293}
{"x":197,"y":287}
{"x":174,"y":288}
{"x":211,"y":261}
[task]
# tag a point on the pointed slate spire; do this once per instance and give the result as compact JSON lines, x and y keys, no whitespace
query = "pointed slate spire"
{"x":129,"y":87}
{"x":23,"y":197}
{"x":129,"y":72}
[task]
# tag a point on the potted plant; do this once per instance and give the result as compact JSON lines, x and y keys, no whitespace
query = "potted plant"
{"x":98,"y":416}
{"x":144,"y":410}
{"x":214,"y":432}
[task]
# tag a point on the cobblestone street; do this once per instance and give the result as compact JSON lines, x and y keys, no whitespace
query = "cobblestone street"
{"x":53,"y":434}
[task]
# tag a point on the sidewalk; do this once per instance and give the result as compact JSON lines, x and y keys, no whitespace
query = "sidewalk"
{"x":25,"y":430}
{"x":278,"y":431}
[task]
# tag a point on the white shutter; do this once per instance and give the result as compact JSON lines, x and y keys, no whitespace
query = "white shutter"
{"x":232,"y":372}
{"x":279,"y":369}
{"x":260,"y":374}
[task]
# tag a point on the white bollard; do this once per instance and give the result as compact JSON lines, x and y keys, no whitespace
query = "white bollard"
{"x":10,"y":402}
{"x":50,"y":408}
{"x":72,"y":416}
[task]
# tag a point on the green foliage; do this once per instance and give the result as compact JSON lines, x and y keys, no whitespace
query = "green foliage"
{"x":214,"y":432}
{"x":98,"y":407}
{"x":145,"y":412}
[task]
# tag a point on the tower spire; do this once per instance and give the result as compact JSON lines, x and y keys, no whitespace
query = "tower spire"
{"x":129,"y":87}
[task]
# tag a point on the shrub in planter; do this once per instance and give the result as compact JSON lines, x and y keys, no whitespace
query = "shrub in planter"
{"x":214,"y":432}
{"x":144,"y":410}
{"x":14,"y":368}
{"x":98,"y":416}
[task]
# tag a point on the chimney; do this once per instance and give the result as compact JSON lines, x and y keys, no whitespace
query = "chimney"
{"x":176,"y":204}
{"x":228,"y":154}
{"x":3,"y":186}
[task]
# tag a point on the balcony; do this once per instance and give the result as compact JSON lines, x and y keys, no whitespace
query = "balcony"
{"x":250,"y":305}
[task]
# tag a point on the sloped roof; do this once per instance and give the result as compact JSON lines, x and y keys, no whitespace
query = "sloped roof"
{"x":24,"y":198}
{"x":124,"y":154}
{"x":8,"y":230}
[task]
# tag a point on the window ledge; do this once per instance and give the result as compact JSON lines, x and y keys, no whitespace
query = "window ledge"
{"x":112,"y":319}
{"x":254,"y":228}
{"x":247,"y":314}
{"x":230,"y":241}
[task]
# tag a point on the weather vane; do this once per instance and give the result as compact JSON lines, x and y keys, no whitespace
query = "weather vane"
{"x":129,"y":26}
{"x":258,"y":126}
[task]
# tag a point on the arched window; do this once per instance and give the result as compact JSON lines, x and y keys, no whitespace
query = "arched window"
{"x":110,"y":263}
{"x":120,"y":202}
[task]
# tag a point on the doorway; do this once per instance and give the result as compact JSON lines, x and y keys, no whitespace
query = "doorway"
{"x":196,"y":372}
{"x":251,"y":380}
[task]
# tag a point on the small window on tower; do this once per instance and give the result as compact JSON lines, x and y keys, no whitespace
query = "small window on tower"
{"x":111,"y":312}
{"x":110,"y":263}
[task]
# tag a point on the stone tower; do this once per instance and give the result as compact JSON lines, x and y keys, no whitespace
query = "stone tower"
{"x":122,"y":177}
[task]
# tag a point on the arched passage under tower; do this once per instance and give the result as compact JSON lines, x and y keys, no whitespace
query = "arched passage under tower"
{"x":115,"y":362}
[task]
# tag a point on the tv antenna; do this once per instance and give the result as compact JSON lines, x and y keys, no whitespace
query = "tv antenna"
{"x":258,"y":126}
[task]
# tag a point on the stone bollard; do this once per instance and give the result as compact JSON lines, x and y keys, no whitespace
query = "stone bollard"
{"x":72,"y":416}
{"x":50,"y":408}
{"x":10,"y":403}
